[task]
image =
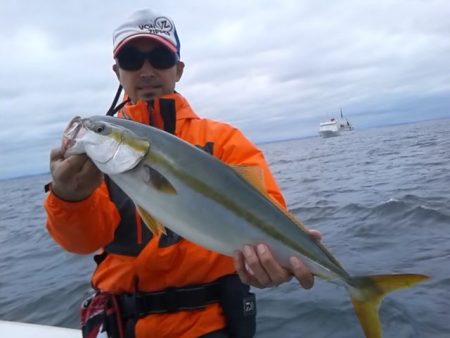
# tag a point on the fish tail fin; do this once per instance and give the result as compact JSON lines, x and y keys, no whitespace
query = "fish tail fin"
{"x":368,"y":292}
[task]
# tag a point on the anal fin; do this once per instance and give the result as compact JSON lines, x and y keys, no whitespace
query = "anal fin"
{"x":154,"y":226}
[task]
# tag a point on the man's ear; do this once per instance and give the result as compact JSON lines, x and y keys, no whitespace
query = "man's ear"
{"x":180,"y":69}
{"x":115,"y":69}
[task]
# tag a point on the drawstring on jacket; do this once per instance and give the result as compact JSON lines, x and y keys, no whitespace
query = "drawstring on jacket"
{"x":113,"y":109}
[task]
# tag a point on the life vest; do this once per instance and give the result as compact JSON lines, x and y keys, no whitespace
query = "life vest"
{"x":134,"y":259}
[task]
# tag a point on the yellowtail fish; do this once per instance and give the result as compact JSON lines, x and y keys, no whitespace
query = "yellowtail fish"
{"x":179,"y":186}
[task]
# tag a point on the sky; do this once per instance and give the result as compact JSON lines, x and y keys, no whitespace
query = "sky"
{"x":274,"y":69}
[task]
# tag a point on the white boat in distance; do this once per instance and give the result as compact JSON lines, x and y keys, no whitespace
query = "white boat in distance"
{"x":334,"y":126}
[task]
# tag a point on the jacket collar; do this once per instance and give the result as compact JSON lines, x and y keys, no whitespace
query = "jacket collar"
{"x":140,"y":111}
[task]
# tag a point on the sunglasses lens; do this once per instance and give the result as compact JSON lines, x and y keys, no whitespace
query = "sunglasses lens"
{"x":131,"y":58}
{"x":162,"y":58}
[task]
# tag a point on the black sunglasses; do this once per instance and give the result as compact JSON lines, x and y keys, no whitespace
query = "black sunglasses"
{"x":131,"y":58}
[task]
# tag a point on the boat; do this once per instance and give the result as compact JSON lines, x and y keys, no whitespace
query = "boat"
{"x":28,"y":330}
{"x":334,"y":127}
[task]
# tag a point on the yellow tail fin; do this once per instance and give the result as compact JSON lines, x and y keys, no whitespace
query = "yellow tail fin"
{"x":369,"y":293}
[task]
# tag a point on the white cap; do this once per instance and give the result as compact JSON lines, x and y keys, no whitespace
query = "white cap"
{"x":147,"y":24}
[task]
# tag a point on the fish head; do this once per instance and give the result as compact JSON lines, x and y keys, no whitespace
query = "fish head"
{"x":113,"y":148}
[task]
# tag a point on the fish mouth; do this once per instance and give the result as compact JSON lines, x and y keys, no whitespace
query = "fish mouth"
{"x":70,"y":133}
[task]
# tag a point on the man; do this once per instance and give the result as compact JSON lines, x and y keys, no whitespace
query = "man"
{"x":162,"y":286}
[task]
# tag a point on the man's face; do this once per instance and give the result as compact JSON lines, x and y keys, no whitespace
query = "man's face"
{"x":149,"y":80}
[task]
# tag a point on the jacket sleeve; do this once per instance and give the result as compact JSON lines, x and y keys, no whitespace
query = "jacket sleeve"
{"x":236,"y":149}
{"x":82,"y":227}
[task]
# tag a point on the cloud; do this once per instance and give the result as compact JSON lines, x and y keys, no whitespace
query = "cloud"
{"x":270,"y":68}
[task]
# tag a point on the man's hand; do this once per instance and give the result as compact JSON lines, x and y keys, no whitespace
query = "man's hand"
{"x":257,"y":267}
{"x":74,"y":178}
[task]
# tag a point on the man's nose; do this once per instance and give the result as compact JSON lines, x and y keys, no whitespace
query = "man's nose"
{"x":147,"y":69}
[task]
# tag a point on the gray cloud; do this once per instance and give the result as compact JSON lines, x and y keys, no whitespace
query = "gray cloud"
{"x":274,"y":69}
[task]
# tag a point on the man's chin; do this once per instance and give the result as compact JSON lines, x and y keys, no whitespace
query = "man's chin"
{"x":147,"y":97}
{"x":148,"y":94}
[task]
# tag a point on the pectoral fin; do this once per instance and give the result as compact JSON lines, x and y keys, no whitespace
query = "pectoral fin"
{"x":158,"y":181}
{"x":154,"y":226}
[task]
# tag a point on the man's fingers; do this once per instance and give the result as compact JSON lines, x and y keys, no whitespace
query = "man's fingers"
{"x":76,"y":162}
{"x":259,"y":268}
{"x":239,"y":265}
{"x":302,"y":273}
{"x":244,"y":272}
{"x":275,"y":271}
{"x":91,"y":173}
{"x":74,"y":177}
{"x":65,"y":169}
{"x":252,"y":260}
{"x":315,"y":234}
{"x":56,"y":154}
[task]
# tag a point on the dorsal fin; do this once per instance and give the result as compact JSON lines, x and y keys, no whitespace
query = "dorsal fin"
{"x":253,"y":174}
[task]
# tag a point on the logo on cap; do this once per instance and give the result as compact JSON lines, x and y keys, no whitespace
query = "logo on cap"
{"x":160,"y":25}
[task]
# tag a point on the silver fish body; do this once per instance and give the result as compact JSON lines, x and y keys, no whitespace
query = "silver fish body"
{"x":214,"y":206}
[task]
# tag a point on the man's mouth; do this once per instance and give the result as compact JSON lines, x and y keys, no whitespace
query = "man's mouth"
{"x":149,"y":87}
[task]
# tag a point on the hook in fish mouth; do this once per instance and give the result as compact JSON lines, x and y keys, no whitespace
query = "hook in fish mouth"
{"x":70,"y":133}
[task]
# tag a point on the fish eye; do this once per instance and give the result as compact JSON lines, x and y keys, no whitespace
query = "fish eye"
{"x":99,"y":128}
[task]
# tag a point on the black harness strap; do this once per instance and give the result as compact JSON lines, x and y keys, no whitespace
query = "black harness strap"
{"x":167,"y":110}
{"x":113,"y":109}
{"x":126,"y":234}
{"x":194,"y":297}
{"x":168,"y":113}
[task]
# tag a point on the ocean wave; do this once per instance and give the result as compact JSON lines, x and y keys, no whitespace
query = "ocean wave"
{"x":426,"y":215}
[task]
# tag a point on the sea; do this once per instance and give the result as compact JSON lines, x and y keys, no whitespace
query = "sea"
{"x":380,"y":197}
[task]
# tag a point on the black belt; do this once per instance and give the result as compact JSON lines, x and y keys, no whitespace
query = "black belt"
{"x":195,"y":297}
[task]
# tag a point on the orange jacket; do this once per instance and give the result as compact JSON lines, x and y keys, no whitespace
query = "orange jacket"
{"x":88,"y":226}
